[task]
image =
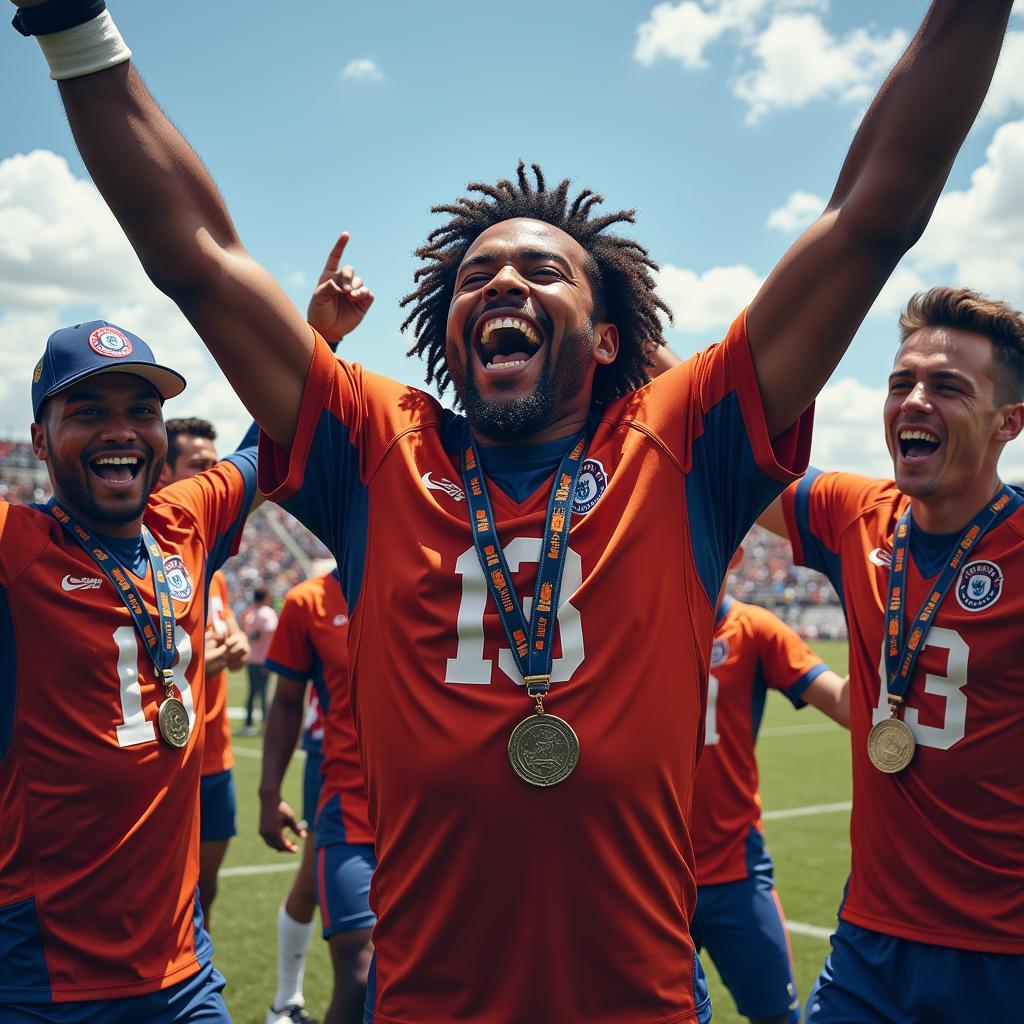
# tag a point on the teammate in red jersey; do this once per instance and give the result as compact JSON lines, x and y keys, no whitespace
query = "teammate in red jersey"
{"x":738,"y":917}
{"x":102,"y":752}
{"x":190,"y":450}
{"x":311,"y":644}
{"x":496,"y":901}
{"x":930,"y":928}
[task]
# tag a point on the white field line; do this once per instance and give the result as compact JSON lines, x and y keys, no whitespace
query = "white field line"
{"x":806,"y":812}
{"x":796,"y":927}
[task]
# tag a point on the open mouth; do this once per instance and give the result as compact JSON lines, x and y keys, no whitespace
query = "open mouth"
{"x":117,"y":469}
{"x":507,"y":342}
{"x":916,"y":444}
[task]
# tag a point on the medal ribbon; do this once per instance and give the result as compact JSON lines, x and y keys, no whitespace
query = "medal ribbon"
{"x":532,"y":642}
{"x":901,"y":655}
{"x":158,"y":640}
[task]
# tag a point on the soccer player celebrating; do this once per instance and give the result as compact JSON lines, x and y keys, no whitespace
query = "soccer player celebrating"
{"x":190,"y":450}
{"x":529,"y":765}
{"x":311,"y":643}
{"x":931,"y":927}
{"x":101,"y":727}
{"x":738,"y":917}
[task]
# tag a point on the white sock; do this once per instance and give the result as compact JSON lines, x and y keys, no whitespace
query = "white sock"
{"x":292,"y":942}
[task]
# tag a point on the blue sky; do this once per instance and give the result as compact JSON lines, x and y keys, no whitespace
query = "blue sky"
{"x":724,"y":122}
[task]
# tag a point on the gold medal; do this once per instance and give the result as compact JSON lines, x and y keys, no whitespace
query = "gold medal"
{"x":543,"y":749}
{"x":891,"y":745}
{"x":172,"y":718}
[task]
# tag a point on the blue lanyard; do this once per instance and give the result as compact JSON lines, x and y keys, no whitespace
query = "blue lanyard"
{"x":901,"y":654}
{"x":532,"y":643}
{"x":158,"y":640}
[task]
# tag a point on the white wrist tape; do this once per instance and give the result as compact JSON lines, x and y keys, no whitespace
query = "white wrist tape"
{"x":85,"y":49}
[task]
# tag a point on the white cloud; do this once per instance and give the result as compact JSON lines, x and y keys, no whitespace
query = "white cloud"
{"x":800,"y":210}
{"x":63,"y":259}
{"x":363,"y":68}
{"x":848,"y":432}
{"x":797,"y":60}
{"x":708,"y":302}
{"x":786,"y":57}
{"x":1007,"y":90}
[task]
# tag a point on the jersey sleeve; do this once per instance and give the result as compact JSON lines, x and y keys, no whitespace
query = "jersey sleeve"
{"x":819,"y":509}
{"x":347,"y":419}
{"x":787,"y":663}
{"x":219,"y":501}
{"x":733,"y":468}
{"x":291,"y":652}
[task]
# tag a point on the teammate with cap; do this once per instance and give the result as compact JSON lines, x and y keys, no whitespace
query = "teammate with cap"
{"x":100,"y":740}
{"x":190,"y":450}
{"x":512,"y":755}
{"x":930,"y":927}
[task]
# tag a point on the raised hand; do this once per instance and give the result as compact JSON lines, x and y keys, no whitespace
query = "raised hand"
{"x":340,"y":299}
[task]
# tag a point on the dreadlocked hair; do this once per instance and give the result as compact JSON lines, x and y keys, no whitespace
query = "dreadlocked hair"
{"x":620,"y":270}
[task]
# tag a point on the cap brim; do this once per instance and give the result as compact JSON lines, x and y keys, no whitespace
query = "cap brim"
{"x":168,"y":383}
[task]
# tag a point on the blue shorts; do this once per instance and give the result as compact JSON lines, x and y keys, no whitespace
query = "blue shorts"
{"x":343,"y":873}
{"x":741,"y":926}
{"x":218,"y":807}
{"x":311,"y":786}
{"x":873,"y":978}
{"x":196,"y":1000}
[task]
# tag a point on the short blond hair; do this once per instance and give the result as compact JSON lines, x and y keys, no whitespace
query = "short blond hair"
{"x":969,"y":310}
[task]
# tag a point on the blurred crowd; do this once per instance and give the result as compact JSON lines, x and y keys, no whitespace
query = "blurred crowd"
{"x":278,"y":552}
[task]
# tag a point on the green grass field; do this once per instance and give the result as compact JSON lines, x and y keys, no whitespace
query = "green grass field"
{"x":805,"y":762}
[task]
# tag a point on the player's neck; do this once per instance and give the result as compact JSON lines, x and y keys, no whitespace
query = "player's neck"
{"x":948,"y":513}
{"x":105,"y":528}
{"x":558,"y":429}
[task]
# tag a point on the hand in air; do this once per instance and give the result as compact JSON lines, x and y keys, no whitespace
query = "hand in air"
{"x":340,"y":299}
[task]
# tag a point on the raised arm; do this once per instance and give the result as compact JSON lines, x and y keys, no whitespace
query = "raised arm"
{"x":809,"y":309}
{"x":173,"y":215}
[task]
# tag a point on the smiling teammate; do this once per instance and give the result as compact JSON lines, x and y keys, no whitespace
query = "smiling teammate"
{"x":442,"y":524}
{"x":930,"y":928}
{"x":100,"y":743}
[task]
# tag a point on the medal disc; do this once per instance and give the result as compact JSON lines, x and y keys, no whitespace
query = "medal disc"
{"x":543,"y":750}
{"x":172,"y":718}
{"x":891,"y":745}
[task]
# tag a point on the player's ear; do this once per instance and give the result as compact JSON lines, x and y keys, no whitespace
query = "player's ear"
{"x":1012,"y":422}
{"x":39,"y":447}
{"x":606,"y":343}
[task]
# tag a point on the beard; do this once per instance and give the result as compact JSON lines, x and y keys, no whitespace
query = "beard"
{"x":520,"y":418}
{"x":70,"y":481}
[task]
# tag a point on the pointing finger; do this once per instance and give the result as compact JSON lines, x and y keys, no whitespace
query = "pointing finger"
{"x":334,"y":259}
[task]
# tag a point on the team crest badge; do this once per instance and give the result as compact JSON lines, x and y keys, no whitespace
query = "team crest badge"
{"x":110,"y":342}
{"x":719,"y":652}
{"x":979,"y":586}
{"x":590,"y":486}
{"x":177,"y":578}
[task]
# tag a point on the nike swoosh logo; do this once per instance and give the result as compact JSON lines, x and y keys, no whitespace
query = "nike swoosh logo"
{"x":880,"y":557}
{"x":444,"y":484}
{"x":81,"y":583}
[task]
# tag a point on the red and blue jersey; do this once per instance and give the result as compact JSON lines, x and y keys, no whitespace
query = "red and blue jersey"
{"x":592,"y":880}
{"x":99,"y":816}
{"x":937,"y":849}
{"x":311,"y":642}
{"x":217,"y":755}
{"x":752,"y":651}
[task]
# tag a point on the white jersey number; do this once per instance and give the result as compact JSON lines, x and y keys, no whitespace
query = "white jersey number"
{"x":711,"y":736}
{"x":950,"y":686}
{"x":469,"y":666}
{"x":135,"y":728}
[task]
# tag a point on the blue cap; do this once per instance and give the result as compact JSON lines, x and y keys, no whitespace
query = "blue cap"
{"x":76,"y":352}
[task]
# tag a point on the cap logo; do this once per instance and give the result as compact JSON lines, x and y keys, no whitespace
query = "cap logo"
{"x":38,"y":372}
{"x":110,"y":342}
